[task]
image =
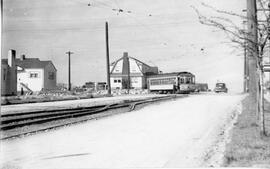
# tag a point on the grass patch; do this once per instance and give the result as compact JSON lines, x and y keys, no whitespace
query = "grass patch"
{"x":247,"y":147}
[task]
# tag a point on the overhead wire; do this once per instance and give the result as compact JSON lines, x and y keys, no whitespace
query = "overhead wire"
{"x":145,"y":26}
{"x":163,"y":40}
{"x":142,"y":25}
{"x":102,"y":3}
{"x":117,"y":4}
{"x":128,"y":13}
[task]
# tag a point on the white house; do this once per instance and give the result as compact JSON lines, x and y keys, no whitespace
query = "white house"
{"x":35,"y":75}
{"x":128,"y":72}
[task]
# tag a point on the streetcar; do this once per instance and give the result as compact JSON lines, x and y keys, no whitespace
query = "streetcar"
{"x":168,"y":83}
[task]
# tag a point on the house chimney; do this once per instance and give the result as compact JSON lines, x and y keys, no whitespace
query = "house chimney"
{"x":126,"y":72}
{"x":22,"y":57}
{"x":11,"y":57}
{"x":125,"y":54}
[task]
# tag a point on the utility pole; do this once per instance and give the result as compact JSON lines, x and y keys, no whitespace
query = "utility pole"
{"x":255,"y":63}
{"x":2,"y":22}
{"x":69,"y":80}
{"x":268,"y":31}
{"x":252,"y":52}
{"x":108,"y":58}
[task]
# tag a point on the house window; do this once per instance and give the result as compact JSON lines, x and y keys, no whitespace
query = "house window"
{"x":51,"y":75}
{"x":33,"y":75}
{"x":117,"y":80}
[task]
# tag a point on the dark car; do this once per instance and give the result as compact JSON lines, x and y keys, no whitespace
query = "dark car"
{"x":221,"y":87}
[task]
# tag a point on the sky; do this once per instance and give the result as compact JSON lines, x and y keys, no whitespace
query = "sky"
{"x":160,"y":33}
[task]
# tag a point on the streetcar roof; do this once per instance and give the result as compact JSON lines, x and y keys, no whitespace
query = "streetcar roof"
{"x":170,"y":74}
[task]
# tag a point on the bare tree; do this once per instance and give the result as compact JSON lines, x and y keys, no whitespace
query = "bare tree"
{"x":254,"y":42}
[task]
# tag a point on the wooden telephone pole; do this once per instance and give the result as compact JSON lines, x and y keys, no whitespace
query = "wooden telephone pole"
{"x":252,"y":52}
{"x":108,"y":58}
{"x":69,"y":67}
{"x":255,"y":54}
{"x":2,"y":17}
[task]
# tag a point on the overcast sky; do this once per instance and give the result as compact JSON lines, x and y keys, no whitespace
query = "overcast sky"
{"x":163,"y":33}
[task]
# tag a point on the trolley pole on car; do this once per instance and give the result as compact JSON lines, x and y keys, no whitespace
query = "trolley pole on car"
{"x":108,"y":58}
{"x":69,"y":67}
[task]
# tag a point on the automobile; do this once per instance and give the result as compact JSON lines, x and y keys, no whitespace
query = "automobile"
{"x":221,"y":87}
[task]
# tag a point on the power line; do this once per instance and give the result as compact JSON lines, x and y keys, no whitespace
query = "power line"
{"x":149,"y":29}
{"x":102,"y":3}
{"x":100,"y":28}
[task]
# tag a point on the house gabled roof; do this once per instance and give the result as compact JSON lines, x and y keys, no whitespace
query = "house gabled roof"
{"x":115,"y":62}
{"x":140,"y":61}
{"x":33,"y":63}
{"x":150,"y":68}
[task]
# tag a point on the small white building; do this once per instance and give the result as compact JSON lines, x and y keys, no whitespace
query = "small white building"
{"x":130,"y":73}
{"x":35,"y":75}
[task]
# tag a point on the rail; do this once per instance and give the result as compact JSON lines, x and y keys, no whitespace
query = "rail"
{"x":17,"y":120}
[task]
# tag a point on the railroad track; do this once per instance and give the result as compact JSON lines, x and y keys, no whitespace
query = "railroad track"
{"x":17,"y":120}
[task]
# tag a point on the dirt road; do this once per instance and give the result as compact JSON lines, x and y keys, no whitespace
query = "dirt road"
{"x":187,"y":132}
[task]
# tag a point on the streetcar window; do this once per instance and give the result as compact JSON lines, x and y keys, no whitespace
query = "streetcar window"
{"x":163,"y":81}
{"x":182,"y":80}
{"x":188,"y":80}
